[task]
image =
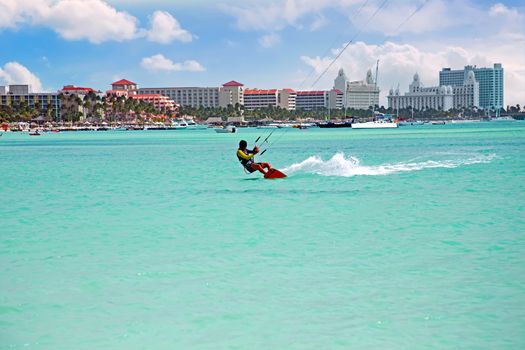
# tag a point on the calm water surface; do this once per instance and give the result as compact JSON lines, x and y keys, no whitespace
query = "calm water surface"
{"x":379,"y":239}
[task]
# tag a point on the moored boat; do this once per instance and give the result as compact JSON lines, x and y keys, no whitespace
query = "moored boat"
{"x":330,"y":125}
{"x":230,"y":129}
{"x":377,"y":124}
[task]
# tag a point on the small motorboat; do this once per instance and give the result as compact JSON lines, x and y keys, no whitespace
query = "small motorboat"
{"x":230,"y":129}
{"x":34,"y":133}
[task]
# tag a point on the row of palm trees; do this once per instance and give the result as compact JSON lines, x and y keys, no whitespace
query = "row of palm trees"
{"x":94,"y":107}
{"x":109,"y":108}
{"x":278,"y":113}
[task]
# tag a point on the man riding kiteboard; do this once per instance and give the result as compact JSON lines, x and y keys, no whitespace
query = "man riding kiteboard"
{"x":245,"y":156}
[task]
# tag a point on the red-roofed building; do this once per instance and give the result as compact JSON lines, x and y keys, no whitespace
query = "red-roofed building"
{"x":231,"y":93}
{"x":160,"y":102}
{"x":125,"y":85}
{"x":308,"y":100}
{"x":75,"y":102}
{"x":232,"y":83}
{"x":319,"y":99}
{"x":256,"y":98}
{"x":71,"y":89}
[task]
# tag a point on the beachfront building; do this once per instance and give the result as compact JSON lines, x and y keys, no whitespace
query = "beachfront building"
{"x":491,"y":90}
{"x":362,"y":94}
{"x":255,"y":98}
{"x":124,"y":85}
{"x":310,"y":100}
{"x":319,"y":99}
{"x":340,"y":83}
{"x":336,"y":99}
{"x":359,"y":94}
{"x":160,"y":102}
{"x":17,"y":96}
{"x":287,"y":99}
{"x":187,"y":96}
{"x":420,"y":97}
{"x":467,"y":94}
{"x":81,"y":101}
{"x":231,"y":93}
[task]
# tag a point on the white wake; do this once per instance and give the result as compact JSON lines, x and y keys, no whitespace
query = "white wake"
{"x":339,"y":165}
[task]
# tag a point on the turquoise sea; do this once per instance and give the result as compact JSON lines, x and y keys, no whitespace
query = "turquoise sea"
{"x":411,"y":238}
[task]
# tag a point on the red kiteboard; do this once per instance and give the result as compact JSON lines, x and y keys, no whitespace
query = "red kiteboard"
{"x":274,"y":174}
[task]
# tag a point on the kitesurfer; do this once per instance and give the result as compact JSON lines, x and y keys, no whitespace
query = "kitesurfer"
{"x":246,"y":158}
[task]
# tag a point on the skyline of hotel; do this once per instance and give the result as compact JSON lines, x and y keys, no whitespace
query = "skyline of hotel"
{"x":467,"y":88}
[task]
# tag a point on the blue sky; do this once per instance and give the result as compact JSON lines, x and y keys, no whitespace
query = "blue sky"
{"x":272,"y":43}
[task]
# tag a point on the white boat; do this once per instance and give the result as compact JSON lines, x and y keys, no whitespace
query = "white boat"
{"x":192,"y":125}
{"x":437,"y":122}
{"x":178,"y":126}
{"x":226,"y":130}
{"x":410,"y":122}
{"x":503,"y":119}
{"x":377,"y":124}
{"x":284,"y":125}
{"x":267,"y":126}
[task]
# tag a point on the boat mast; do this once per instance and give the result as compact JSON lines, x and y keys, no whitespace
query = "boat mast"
{"x":375,"y":85}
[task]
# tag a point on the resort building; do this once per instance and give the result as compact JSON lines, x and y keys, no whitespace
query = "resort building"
{"x":124,"y":85}
{"x":467,"y":94}
{"x":420,"y":97}
{"x":340,"y":83}
{"x":287,"y":99}
{"x":362,"y":94}
{"x":491,"y":89}
{"x":231,"y":93}
{"x":16,"y":96}
{"x":320,"y":99}
{"x":309,"y":100}
{"x":160,"y":102}
{"x":357,"y":94}
{"x":73,"y":101}
{"x":336,"y":99}
{"x":187,"y":96}
{"x":255,"y":98}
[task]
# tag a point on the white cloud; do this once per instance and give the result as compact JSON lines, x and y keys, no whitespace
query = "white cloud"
{"x":160,"y":63}
{"x":15,"y":73}
{"x":92,"y":20}
{"x":319,"y":22}
{"x":275,"y":15}
{"x":165,"y":28}
{"x":269,"y":40}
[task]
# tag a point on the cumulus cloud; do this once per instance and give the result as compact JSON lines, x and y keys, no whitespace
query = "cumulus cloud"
{"x":269,"y":40}
{"x":275,"y":15}
{"x":92,"y":20}
{"x":160,"y":63}
{"x":399,"y":62}
{"x":165,"y":28}
{"x":15,"y":73}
